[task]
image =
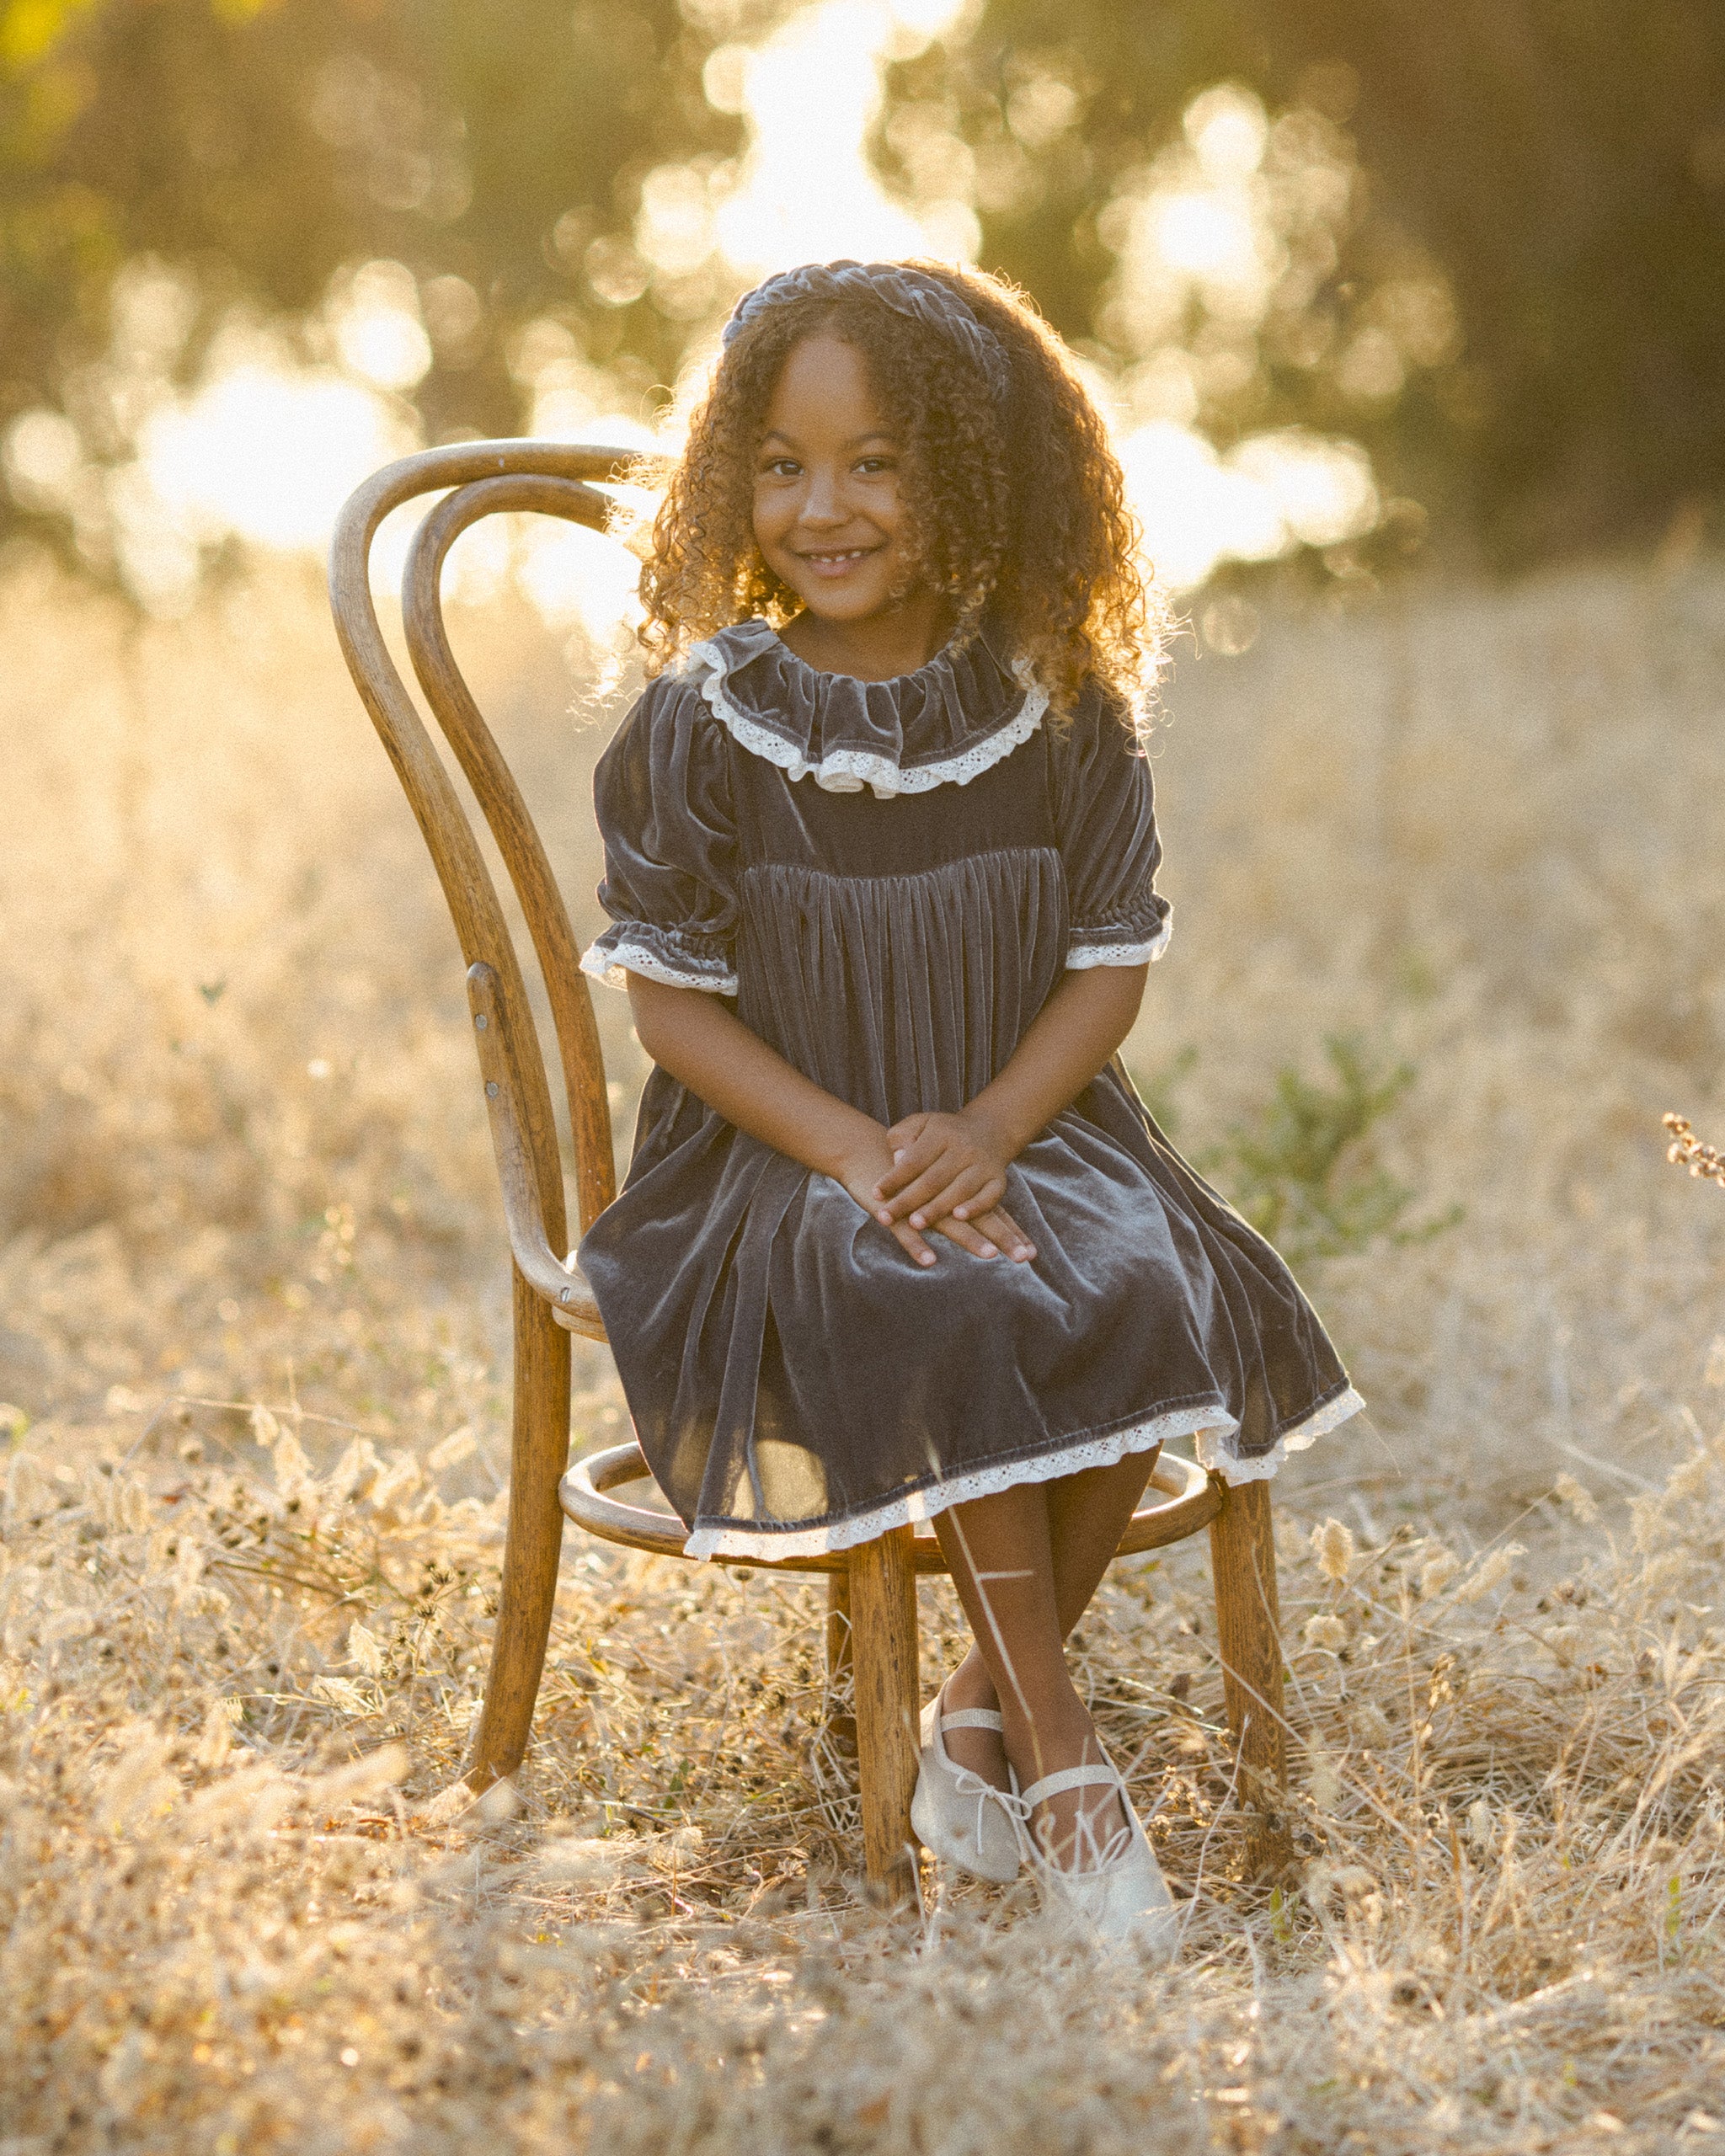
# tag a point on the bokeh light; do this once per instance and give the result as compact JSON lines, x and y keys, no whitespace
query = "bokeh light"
{"x":807,"y":191}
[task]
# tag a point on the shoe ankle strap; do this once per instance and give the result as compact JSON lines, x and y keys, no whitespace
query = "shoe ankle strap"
{"x":972,"y":1718}
{"x":1091,"y":1777}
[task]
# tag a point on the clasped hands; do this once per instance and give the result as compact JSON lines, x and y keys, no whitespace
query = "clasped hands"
{"x":940,"y":1175}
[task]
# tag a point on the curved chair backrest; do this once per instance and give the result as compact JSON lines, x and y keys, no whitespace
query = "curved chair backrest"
{"x":487,"y":478}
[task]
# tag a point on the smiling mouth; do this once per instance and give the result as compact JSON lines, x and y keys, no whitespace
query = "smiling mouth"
{"x":836,"y":559}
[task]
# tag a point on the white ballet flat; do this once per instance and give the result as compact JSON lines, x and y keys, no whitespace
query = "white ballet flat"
{"x":1121,"y":1896}
{"x":957,"y":1816}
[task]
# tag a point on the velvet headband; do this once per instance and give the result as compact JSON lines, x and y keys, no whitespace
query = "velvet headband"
{"x":910,"y":292}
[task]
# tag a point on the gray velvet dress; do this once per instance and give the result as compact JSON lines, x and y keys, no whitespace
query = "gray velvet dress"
{"x":888,"y":878}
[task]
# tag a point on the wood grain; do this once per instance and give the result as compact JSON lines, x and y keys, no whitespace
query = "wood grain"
{"x":455,"y":852}
{"x":1242,"y":1552}
{"x":841,"y":1724}
{"x":883,"y":1644}
{"x":498,"y":1038}
{"x":505,"y":811}
{"x":539,"y":1445}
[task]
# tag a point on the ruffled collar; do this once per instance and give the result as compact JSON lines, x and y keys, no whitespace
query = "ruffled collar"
{"x":941,"y":726}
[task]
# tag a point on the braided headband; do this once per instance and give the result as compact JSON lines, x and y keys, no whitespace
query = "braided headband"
{"x":912,"y":293}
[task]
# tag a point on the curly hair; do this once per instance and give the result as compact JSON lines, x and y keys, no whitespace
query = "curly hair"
{"x":1019,"y":509}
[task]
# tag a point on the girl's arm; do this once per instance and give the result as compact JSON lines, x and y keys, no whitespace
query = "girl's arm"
{"x":691,"y":1033}
{"x":955,"y":1166}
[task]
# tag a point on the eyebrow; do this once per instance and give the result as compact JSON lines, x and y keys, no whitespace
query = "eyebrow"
{"x":875,"y":434}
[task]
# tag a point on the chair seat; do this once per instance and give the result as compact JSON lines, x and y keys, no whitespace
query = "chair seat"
{"x":1190,"y":1499}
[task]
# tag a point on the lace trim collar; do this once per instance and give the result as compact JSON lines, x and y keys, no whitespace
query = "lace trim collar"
{"x":943,"y":725}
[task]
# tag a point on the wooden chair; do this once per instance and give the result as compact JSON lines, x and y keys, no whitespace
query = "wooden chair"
{"x":872,"y":1625}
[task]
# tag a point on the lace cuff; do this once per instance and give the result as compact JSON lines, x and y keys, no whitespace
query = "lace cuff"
{"x":676,"y":956}
{"x":1123,"y":942}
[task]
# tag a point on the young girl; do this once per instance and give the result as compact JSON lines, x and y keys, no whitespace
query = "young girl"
{"x":898,"y":1240}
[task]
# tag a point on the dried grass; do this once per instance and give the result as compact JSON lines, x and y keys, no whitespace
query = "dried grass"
{"x":1686,"y":1150}
{"x":251,"y":1326}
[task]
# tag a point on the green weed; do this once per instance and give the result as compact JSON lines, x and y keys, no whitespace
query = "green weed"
{"x":1302,"y":1169}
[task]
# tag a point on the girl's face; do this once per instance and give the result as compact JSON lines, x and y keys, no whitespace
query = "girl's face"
{"x":829,"y":517}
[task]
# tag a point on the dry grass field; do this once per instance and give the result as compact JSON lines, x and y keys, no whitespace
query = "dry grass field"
{"x":254,"y":1347}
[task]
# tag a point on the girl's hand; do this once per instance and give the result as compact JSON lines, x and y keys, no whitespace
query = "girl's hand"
{"x":985,"y":1235}
{"x":859,"y":1171}
{"x":942,"y":1165}
{"x":948,"y":1177}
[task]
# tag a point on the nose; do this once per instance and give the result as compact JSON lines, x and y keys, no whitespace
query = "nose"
{"x":823,"y":503}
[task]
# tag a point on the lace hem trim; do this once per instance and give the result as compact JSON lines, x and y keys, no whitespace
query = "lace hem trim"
{"x":614,"y":965}
{"x":1208,"y":1427}
{"x":1211,"y":1446}
{"x":848,"y":771}
{"x":959,"y":1489}
{"x":1121,"y":954}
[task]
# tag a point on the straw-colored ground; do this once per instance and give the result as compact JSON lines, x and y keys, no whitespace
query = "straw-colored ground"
{"x":252,"y":1324}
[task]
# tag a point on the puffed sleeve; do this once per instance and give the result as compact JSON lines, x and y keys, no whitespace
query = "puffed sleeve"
{"x":663,"y":796}
{"x":1105,"y":823}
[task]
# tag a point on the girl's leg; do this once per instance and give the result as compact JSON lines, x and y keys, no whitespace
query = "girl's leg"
{"x":1000,"y":1551}
{"x":1086,"y":1515}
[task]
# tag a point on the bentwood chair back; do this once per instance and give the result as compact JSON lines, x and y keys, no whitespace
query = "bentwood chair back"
{"x":872,"y":1631}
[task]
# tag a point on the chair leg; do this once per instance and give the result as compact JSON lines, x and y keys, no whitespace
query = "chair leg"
{"x":882,"y":1595}
{"x":1242,"y":1552}
{"x":538,"y":1454}
{"x":840,"y":1727}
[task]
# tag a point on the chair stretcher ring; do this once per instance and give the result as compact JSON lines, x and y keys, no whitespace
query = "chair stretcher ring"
{"x":1191,"y":1498}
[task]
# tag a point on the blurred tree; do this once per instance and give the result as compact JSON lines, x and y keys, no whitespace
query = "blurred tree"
{"x":565,"y":113}
{"x":180,"y":127}
{"x":263,"y":143}
{"x":1565,"y":159}
{"x":1562,"y":161}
